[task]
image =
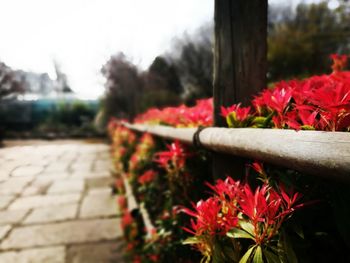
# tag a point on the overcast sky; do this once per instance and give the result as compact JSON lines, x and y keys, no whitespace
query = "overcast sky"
{"x":82,"y":34}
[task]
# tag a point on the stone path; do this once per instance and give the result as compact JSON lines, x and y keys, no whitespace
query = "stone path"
{"x":56,"y":204}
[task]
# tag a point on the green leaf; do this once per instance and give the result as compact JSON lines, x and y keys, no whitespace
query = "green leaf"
{"x":259,"y":120}
{"x":231,"y":120}
{"x":247,"y":255}
{"x":258,"y":256}
{"x":218,"y":254}
{"x":231,"y":253}
{"x":307,"y":128}
{"x":271,"y":257}
{"x":191,"y":241}
{"x":298,"y":230}
{"x":238,"y":233}
{"x":206,"y":259}
{"x":285,"y":249}
{"x":246,"y":226}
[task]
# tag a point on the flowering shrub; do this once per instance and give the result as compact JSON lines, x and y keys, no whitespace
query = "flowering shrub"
{"x":182,"y":116}
{"x":315,"y":103}
{"x":237,"y":212}
{"x":123,"y":142}
{"x":161,"y":178}
{"x":240,"y":220}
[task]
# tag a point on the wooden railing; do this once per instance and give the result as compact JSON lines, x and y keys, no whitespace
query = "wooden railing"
{"x":313,"y":152}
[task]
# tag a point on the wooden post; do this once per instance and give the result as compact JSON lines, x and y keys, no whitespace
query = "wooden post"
{"x":240,"y":63}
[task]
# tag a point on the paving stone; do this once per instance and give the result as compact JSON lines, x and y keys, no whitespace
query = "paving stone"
{"x":85,"y":159}
{"x":98,"y":205}
{"x":82,"y":174}
{"x":103,"y":163}
{"x":44,"y":200}
{"x":4,"y":230}
{"x":96,"y":252}
{"x":29,"y":170}
{"x":12,"y":216}
{"x":14,"y":185}
{"x":51,"y":214}
{"x":47,"y":179}
{"x":57,"y":167}
{"x":81,"y":167}
{"x":33,"y":190}
{"x":4,"y":175}
{"x":5,"y":200}
{"x":100,"y":191}
{"x":37,"y":255}
{"x":99,"y":182}
{"x":98,"y":168}
{"x":62,"y":233}
{"x":66,"y":186}
{"x":10,"y":165}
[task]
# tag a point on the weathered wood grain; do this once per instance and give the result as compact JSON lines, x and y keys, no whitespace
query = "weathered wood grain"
{"x":240,"y":52}
{"x":240,"y":64}
{"x":314,"y":152}
{"x":183,"y":134}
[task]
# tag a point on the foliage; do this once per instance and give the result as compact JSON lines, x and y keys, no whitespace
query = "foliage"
{"x":235,"y":212}
{"x":161,"y":176}
{"x":122,"y":87}
{"x":254,"y":219}
{"x":182,"y":116}
{"x":316,"y":103}
{"x":73,"y":119}
{"x":161,"y":85}
{"x":299,"y":43}
{"x":192,"y":56}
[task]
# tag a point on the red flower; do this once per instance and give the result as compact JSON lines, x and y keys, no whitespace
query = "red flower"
{"x":122,"y":202}
{"x":147,"y":177}
{"x":339,"y":62}
{"x":235,"y":205}
{"x":137,"y":259}
{"x":154,"y":258}
{"x":258,"y":167}
{"x":174,"y":158}
{"x":126,"y":220}
{"x":119,"y":184}
{"x":228,"y":188}
{"x":210,"y":219}
{"x":198,"y":115}
{"x":278,"y":98}
{"x":226,"y":111}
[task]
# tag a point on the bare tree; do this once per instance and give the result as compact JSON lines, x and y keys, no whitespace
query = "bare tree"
{"x":122,"y":87}
{"x":8,"y":81}
{"x":193,"y":59}
{"x":301,"y":41}
{"x":161,"y":85}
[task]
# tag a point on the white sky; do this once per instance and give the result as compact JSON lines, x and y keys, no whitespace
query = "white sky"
{"x":82,"y":34}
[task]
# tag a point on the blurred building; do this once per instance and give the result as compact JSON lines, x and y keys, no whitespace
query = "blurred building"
{"x":39,"y":97}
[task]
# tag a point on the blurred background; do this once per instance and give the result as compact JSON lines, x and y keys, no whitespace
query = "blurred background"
{"x":67,"y":66}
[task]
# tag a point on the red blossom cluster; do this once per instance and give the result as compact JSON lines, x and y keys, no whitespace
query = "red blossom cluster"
{"x":174,"y":158}
{"x":147,"y":177}
{"x":142,"y":152}
{"x":126,"y":219}
{"x":122,"y":141}
{"x":181,"y":116}
{"x":122,"y":203}
{"x":316,"y":103}
{"x":237,"y":211}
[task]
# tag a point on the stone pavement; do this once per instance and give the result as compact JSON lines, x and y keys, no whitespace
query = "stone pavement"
{"x":56,"y":204}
